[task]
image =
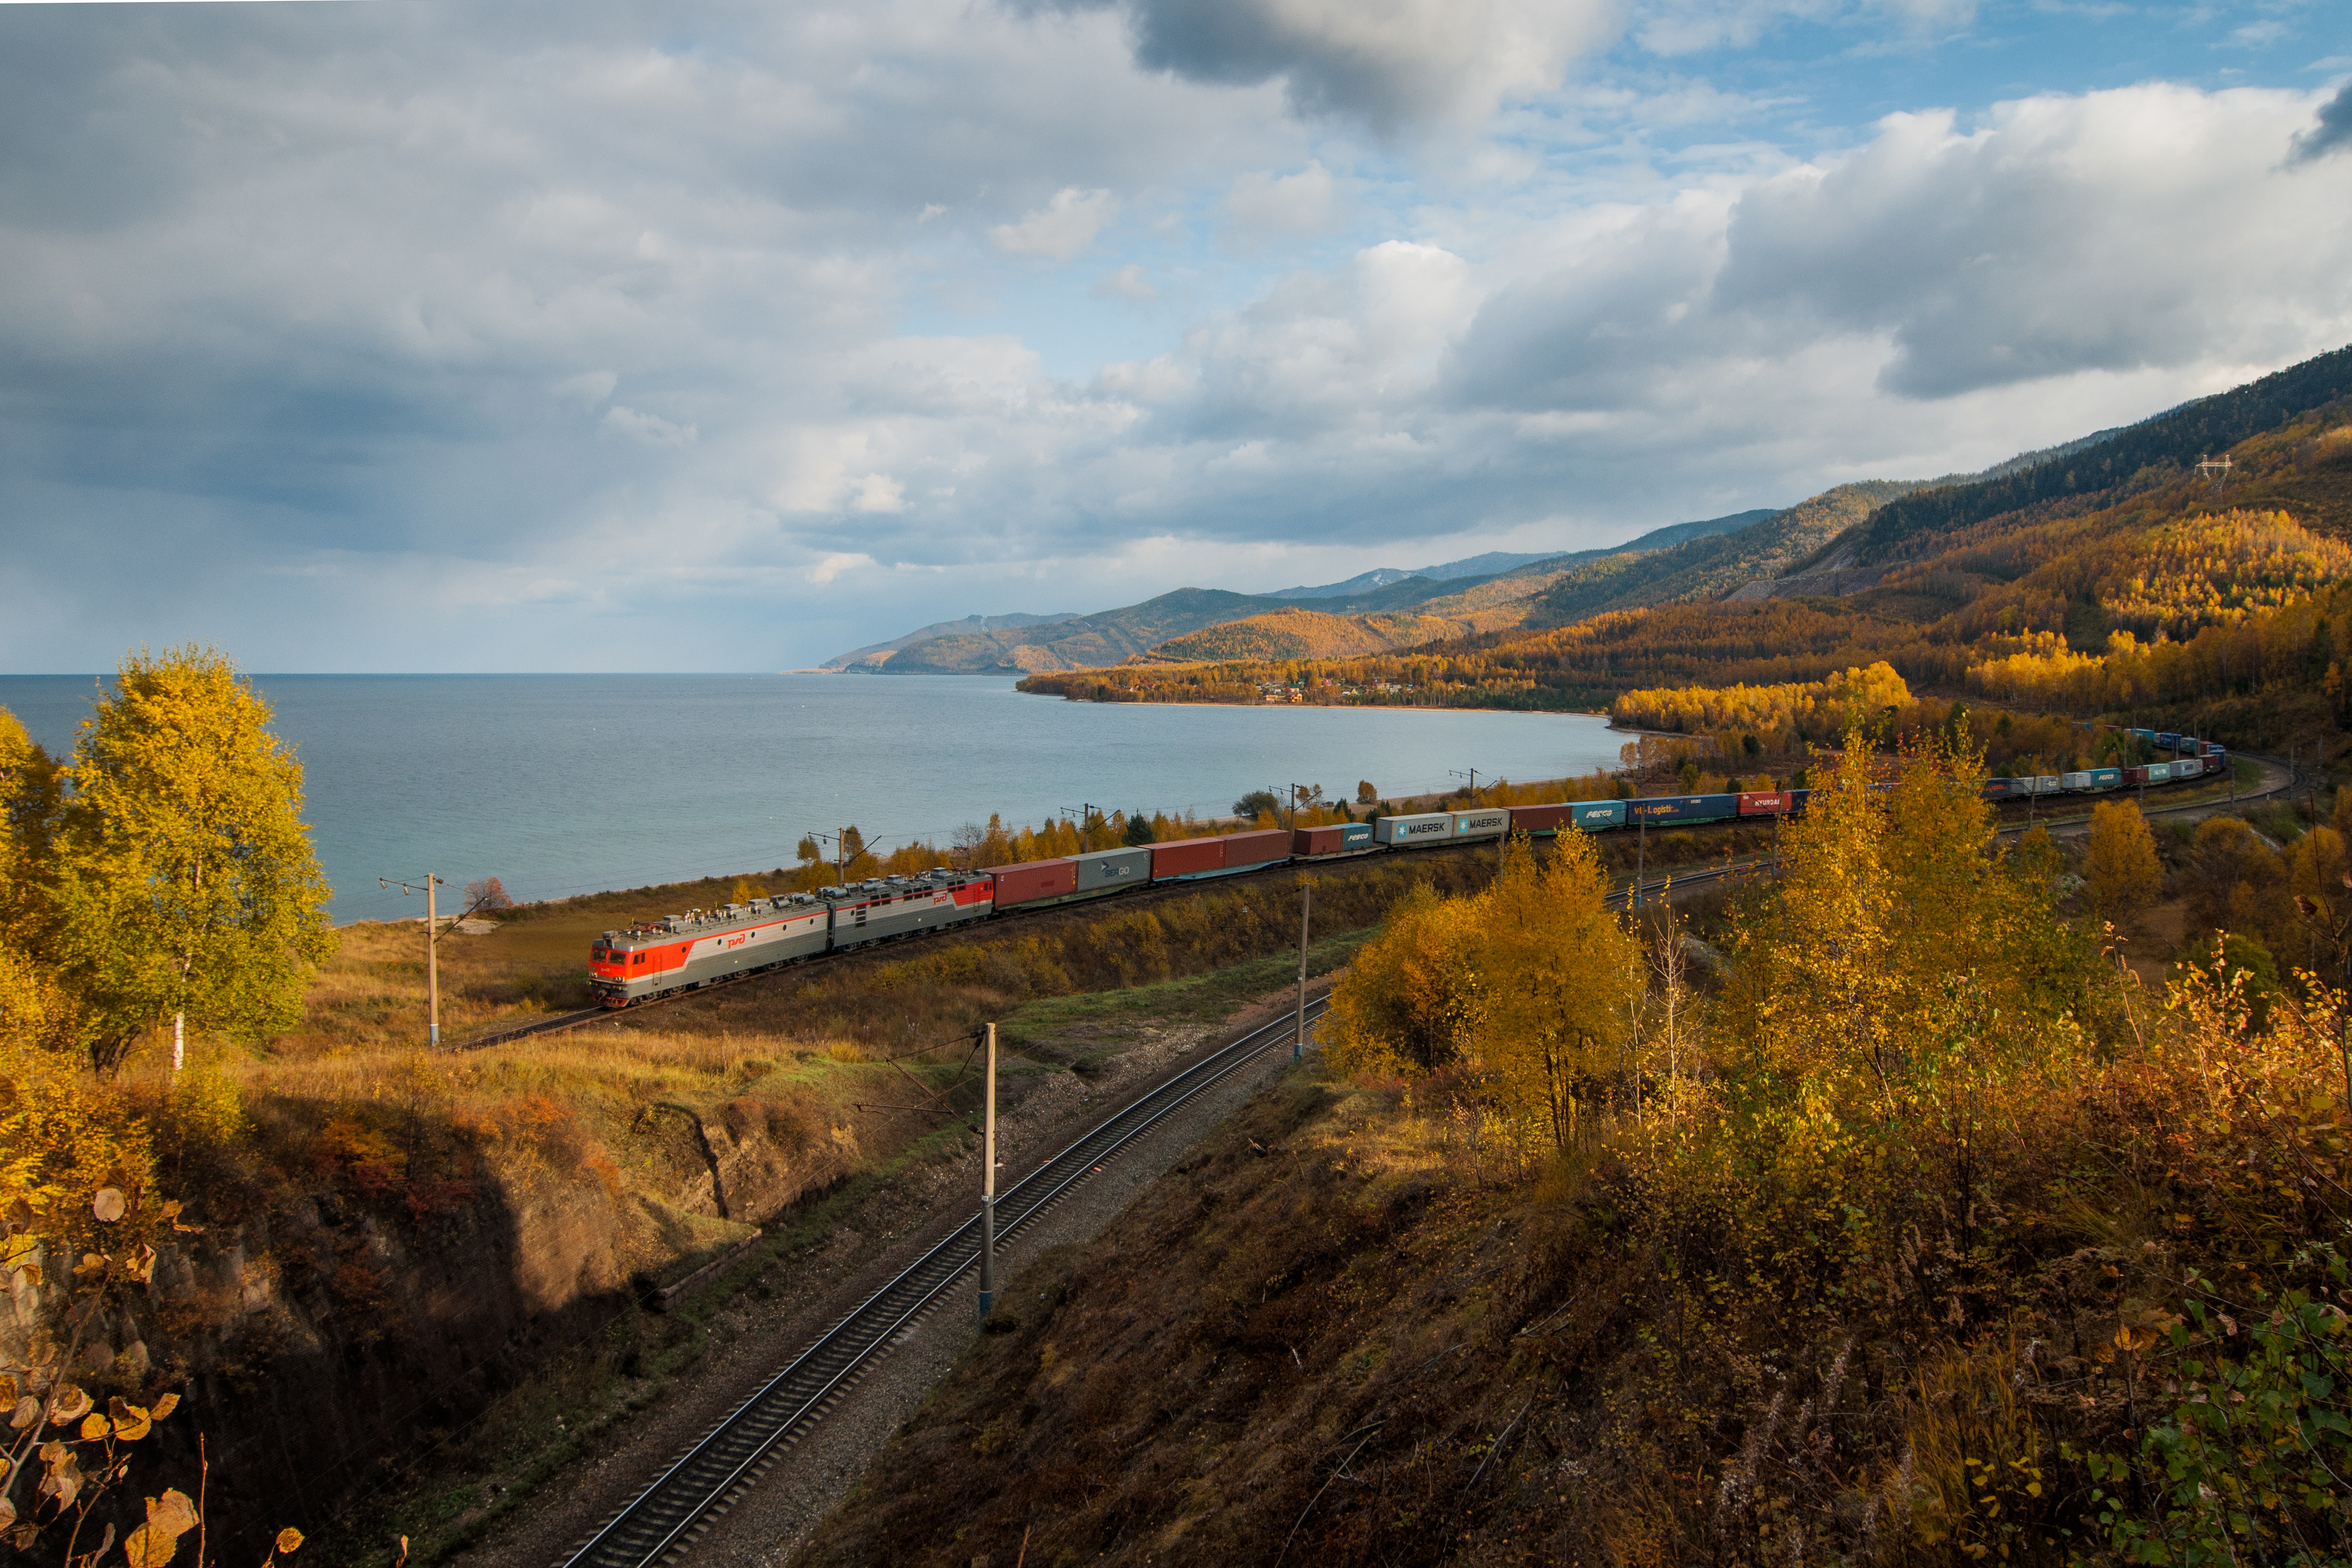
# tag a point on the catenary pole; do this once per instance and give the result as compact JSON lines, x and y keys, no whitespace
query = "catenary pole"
{"x":1306,"y":911}
{"x":987,"y":1188}
{"x":432,"y":963}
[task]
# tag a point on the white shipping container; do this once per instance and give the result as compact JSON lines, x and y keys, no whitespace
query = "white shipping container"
{"x":1425,"y":828}
{"x":1491,"y":823}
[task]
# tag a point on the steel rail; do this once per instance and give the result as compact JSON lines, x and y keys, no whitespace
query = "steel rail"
{"x":734,"y":1452}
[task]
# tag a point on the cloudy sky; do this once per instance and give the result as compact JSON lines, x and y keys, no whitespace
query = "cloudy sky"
{"x":407,"y":335}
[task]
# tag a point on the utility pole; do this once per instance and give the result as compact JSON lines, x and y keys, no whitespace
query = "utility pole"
{"x":988,"y":1188}
{"x":1472,"y":776}
{"x":1306,"y":910}
{"x":1640,"y":856}
{"x":1085,"y":825}
{"x":431,"y":961}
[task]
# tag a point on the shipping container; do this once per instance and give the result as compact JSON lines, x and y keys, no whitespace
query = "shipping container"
{"x":1593,"y":816}
{"x":1534,"y":820}
{"x":1491,"y":822}
{"x":1796,"y":799}
{"x":2168,"y":740}
{"x":1034,"y":879}
{"x":2105,"y":777}
{"x":2147,"y":734}
{"x":2136,"y":774}
{"x":1257,"y":848}
{"x":1684,"y":808}
{"x":1336,"y":839}
{"x":1426,"y":828}
{"x":2003,"y":788}
{"x":2160,"y":772}
{"x":2072,"y":781}
{"x":1187,"y":857}
{"x":1763,"y":802}
{"x":1114,"y":868}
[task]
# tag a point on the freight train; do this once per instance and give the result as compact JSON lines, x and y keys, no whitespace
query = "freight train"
{"x":685,"y":952}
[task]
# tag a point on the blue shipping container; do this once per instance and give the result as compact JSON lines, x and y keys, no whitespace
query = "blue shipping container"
{"x":2167,"y":739}
{"x":2105,"y":777}
{"x":1685,"y":807}
{"x":2147,"y":734}
{"x":1592,"y":816}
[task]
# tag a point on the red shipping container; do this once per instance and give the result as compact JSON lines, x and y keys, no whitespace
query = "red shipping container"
{"x":1255,"y":849}
{"x":1763,"y":802}
{"x":1034,"y":879}
{"x":1185,"y":857}
{"x":1322,"y":841}
{"x":1541,"y":818}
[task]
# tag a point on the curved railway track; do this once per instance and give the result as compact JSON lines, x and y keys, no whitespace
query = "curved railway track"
{"x":2279,"y":782}
{"x":677,"y":1506}
{"x":670,"y":1513}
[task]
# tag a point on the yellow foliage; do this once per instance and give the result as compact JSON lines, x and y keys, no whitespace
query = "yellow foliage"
{"x":1798,"y":708}
{"x":2121,"y":865}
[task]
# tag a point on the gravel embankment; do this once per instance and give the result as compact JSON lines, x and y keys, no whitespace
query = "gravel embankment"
{"x":805,"y":1293}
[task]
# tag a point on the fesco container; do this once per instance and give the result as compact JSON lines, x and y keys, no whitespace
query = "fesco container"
{"x":1423,"y":828}
{"x":2105,"y":777}
{"x":1187,"y":857}
{"x":1257,"y":848}
{"x":1032,"y":880}
{"x":1684,"y":808}
{"x":1334,"y":839}
{"x":1763,"y":802}
{"x":1534,"y":820}
{"x":1593,"y":816}
{"x":1492,"y":822}
{"x":1113,"y":868}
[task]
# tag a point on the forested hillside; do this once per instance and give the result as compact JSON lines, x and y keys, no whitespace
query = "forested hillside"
{"x":2222,"y":593}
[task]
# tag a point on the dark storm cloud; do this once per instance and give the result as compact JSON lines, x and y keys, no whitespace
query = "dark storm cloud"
{"x":1391,"y":64}
{"x":2332,"y":134}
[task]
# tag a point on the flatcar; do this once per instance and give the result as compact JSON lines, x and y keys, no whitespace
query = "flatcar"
{"x":685,"y":952}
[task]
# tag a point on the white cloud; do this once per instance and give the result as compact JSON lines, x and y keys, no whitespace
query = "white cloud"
{"x":1129,"y":283}
{"x":878,"y":493}
{"x":1061,"y":228}
{"x":1261,"y":206}
{"x":650,"y":428}
{"x":833,"y":566}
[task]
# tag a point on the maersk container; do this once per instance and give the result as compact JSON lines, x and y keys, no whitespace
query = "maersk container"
{"x":1593,"y":816}
{"x":2105,"y":777}
{"x":1423,"y":828}
{"x":1114,"y":868}
{"x":1684,"y":808}
{"x":1537,"y":820}
{"x":1034,"y":879}
{"x":1763,"y":802}
{"x":1492,"y":822}
{"x":1187,"y":857}
{"x":1334,"y":839}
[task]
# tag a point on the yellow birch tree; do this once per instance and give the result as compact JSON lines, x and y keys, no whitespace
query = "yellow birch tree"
{"x":187,"y":887}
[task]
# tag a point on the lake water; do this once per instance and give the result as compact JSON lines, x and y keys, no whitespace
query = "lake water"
{"x":563,"y":784}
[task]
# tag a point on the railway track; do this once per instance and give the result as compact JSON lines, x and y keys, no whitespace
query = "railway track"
{"x":2279,"y":782}
{"x":702,"y":1483}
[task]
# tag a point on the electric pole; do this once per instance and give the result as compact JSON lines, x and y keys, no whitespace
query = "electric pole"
{"x":1306,"y":911}
{"x":431,"y":961}
{"x":987,"y":1188}
{"x":1472,"y":776}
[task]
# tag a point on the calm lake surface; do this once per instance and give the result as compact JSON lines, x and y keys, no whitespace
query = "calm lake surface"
{"x":563,"y":784}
